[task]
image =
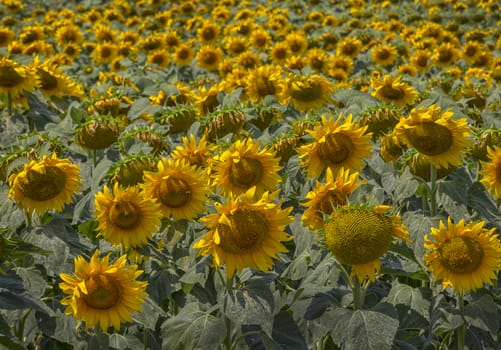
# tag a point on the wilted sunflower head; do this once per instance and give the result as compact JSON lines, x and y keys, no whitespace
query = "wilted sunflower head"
{"x":436,"y":135}
{"x":359,"y":236}
{"x":463,"y":256}
{"x":483,"y":140}
{"x":380,"y":120}
{"x":130,"y":170}
{"x":420,"y":165}
{"x":221,"y":122}
{"x":97,"y":133}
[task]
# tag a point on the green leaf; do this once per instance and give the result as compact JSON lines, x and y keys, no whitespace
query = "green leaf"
{"x":321,"y":301}
{"x":445,"y":317}
{"x":99,"y":341}
{"x":363,"y":329}
{"x":142,"y":105}
{"x":252,"y":304}
{"x":7,"y":338}
{"x":193,"y":329}
{"x":118,"y":341}
{"x":480,"y":200}
{"x":418,"y":226}
{"x":483,"y":314}
{"x":412,"y":304}
{"x":406,"y":185}
{"x":286,"y":333}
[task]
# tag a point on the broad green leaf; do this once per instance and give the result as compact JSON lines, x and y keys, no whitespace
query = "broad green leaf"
{"x":412,"y":304}
{"x":483,"y":314}
{"x":443,"y":316}
{"x":406,"y":185}
{"x":252,"y":304}
{"x":100,"y":341}
{"x":142,"y":105}
{"x":482,"y":202}
{"x":286,"y":333}
{"x":118,"y":341}
{"x":418,"y":226}
{"x":321,"y":301}
{"x":7,"y":339}
{"x":193,"y":329}
{"x":363,"y":329}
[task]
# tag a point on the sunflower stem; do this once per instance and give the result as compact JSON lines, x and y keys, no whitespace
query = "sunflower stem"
{"x":227,"y":339}
{"x":433,"y":190}
{"x":462,"y":329}
{"x":9,"y":102}
{"x":29,"y":219}
{"x":358,"y":294}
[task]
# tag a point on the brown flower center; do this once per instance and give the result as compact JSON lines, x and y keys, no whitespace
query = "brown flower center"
{"x":47,"y":80}
{"x":124,"y":214}
{"x":248,"y":230}
{"x":461,"y":254}
{"x":9,"y":77}
{"x":246,"y":172}
{"x":430,"y":138}
{"x":387,"y":91}
{"x":174,"y":192}
{"x":336,"y":149}
{"x":264,"y":86}
{"x":306,"y":92}
{"x":45,"y":184}
{"x":103,"y":292}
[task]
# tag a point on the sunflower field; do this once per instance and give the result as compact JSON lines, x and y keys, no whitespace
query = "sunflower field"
{"x":225,"y":174}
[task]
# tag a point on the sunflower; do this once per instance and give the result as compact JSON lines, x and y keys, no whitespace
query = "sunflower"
{"x":126,"y":216}
{"x":463,"y":256}
{"x":349,"y":47}
{"x":344,"y":63}
{"x":421,"y":60}
{"x":97,"y":133}
{"x":53,"y":82}
{"x":6,"y":36}
{"x":324,"y":198}
{"x":307,"y":92}
{"x":260,"y":38}
{"x":318,"y":60}
{"x":359,"y":236}
{"x":183,"y":55}
{"x":179,"y":187}
{"x":209,"y":57}
{"x":243,"y":165}
{"x":16,"y":78}
{"x":384,"y":55}
{"x":129,"y":171}
{"x":337,"y":144}
{"x":471,"y":50}
{"x":68,"y":34}
{"x":101,"y":293}
{"x":197,"y":154}
{"x":445,"y":55}
{"x":245,"y":233}
{"x":208,"y":33}
{"x":491,"y":171}
{"x":436,"y":135}
{"x":235,"y":45}
{"x":280,"y":52}
{"x":159,"y":57}
{"x":104,"y":53}
{"x":296,"y":42}
{"x":392,"y":90}
{"x":45,"y":185}
{"x":263,"y":81}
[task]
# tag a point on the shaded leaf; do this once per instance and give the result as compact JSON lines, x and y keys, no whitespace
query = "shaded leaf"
{"x":483,"y":314}
{"x":286,"y":333}
{"x":412,"y":304}
{"x":480,"y":200}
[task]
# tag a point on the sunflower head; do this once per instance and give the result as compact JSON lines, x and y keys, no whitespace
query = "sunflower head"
{"x":221,"y":122}
{"x":463,"y":256}
{"x":419,"y":165}
{"x":97,"y":133}
{"x":359,"y":236}
{"x":392,"y":90}
{"x":130,"y":170}
{"x":103,"y":293}
{"x":308,"y":92}
{"x":491,"y":171}
{"x":285,"y":145}
{"x":147,"y":135}
{"x":380,"y":120}
{"x":484,"y":139}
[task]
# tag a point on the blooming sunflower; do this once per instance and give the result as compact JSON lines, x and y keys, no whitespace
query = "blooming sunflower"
{"x":324,"y":198}
{"x":463,"y":256}
{"x":349,"y":47}
{"x":445,"y":55}
{"x":245,"y":233}
{"x":384,"y":55}
{"x":195,"y":154}
{"x":336,"y":144}
{"x":491,"y":171}
{"x":435,"y":134}
{"x":392,"y":90}
{"x":45,"y":185}
{"x":179,"y":187}
{"x":243,"y":166}
{"x":101,"y":293}
{"x":307,"y":92}
{"x":126,"y":216}
{"x":16,"y":78}
{"x":53,"y":82}
{"x":359,"y":236}
{"x":263,"y":81}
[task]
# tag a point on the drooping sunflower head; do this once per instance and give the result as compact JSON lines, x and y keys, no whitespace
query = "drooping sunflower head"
{"x":97,"y":133}
{"x":308,"y":92}
{"x":245,"y":165}
{"x":392,"y":90}
{"x":178,"y":187}
{"x":45,"y":185}
{"x":130,"y":170}
{"x":148,"y":135}
{"x":359,"y":236}
{"x":285,"y":146}
{"x":126,"y":216}
{"x":391,"y":147}
{"x":436,"y":135}
{"x":491,"y":171}
{"x":103,"y":293}
{"x":464,"y":256}
{"x":337,"y":143}
{"x":419,"y":165}
{"x":220,"y":123}
{"x":245,"y":232}
{"x":484,"y":139}
{"x":380,"y":120}
{"x":326,"y":197}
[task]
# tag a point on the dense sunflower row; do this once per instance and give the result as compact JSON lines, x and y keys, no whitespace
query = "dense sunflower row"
{"x":234,"y":123}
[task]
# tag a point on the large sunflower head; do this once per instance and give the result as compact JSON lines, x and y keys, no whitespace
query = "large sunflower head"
{"x":263,"y":81}
{"x":97,"y":133}
{"x":178,"y":187}
{"x":245,"y":165}
{"x":197,"y":154}
{"x":463,"y":256}
{"x":436,"y":135}
{"x":337,"y":143}
{"x":324,"y":198}
{"x":245,"y":232}
{"x":126,"y":216}
{"x":53,"y":82}
{"x":45,"y":185}
{"x":359,"y":236}
{"x":380,"y":120}
{"x":445,"y":55}
{"x":129,"y":171}
{"x":308,"y":92}
{"x":491,"y":171}
{"x":16,"y":78}
{"x":392,"y":90}
{"x":103,"y":293}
